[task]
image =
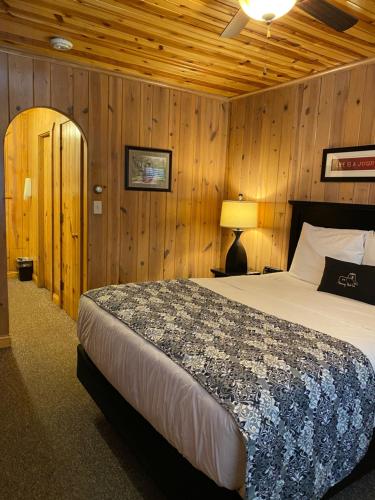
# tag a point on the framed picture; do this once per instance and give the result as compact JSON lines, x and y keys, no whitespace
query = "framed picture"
{"x":354,"y":164}
{"x":148,"y":169}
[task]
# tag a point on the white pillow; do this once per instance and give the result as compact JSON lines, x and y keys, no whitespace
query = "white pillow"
{"x":369,"y":257}
{"x":315,"y":243}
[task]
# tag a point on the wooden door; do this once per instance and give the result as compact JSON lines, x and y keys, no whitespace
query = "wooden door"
{"x":45,"y":196}
{"x":48,"y":195}
{"x":71,"y":225}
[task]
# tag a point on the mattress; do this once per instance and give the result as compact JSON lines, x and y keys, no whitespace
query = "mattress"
{"x":174,"y":403}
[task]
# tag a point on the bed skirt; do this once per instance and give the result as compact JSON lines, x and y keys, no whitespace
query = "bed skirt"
{"x":174,"y":475}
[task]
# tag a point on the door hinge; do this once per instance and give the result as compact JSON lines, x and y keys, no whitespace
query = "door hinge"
{"x":62,"y":286}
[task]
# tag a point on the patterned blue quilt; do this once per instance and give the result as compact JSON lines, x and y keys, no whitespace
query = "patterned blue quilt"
{"x":303,"y":401}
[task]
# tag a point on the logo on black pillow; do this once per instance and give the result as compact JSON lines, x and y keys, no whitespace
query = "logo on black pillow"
{"x":350,"y":280}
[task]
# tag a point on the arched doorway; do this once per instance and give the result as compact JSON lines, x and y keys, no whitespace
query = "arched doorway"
{"x":45,"y":167}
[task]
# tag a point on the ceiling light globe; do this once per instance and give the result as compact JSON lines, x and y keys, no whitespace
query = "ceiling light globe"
{"x":266,"y":10}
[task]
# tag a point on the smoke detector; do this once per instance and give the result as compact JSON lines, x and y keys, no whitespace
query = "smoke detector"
{"x":62,"y":44}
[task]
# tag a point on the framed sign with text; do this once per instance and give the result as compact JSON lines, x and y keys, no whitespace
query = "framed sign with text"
{"x":353,"y":164}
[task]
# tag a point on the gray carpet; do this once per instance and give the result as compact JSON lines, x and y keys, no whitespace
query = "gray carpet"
{"x":54,"y":442}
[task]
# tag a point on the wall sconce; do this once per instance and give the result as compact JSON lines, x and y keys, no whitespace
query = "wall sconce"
{"x":27,"y":189}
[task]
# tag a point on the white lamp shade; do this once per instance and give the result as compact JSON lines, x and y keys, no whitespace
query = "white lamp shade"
{"x":27,"y":189}
{"x":266,"y":10}
{"x":239,"y":214}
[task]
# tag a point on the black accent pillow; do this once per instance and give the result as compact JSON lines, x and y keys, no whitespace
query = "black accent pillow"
{"x":350,"y":280}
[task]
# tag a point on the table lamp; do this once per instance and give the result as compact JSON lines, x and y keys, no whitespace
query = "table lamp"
{"x":238,"y":215}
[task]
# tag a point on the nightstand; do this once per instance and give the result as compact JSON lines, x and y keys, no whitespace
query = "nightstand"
{"x":220,"y":273}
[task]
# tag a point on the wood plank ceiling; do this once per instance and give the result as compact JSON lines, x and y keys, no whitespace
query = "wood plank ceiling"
{"x":177,"y":42}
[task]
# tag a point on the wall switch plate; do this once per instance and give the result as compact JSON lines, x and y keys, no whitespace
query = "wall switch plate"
{"x":98,"y":208}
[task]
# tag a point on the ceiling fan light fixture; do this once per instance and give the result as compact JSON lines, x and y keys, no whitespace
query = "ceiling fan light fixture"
{"x":266,"y":10}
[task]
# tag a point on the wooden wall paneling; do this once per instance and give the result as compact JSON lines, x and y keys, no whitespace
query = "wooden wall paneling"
{"x":71,"y":233}
{"x":263,"y":187}
{"x":185,"y":180}
{"x":352,"y":122}
{"x":62,"y":89}
{"x":291,"y":127}
{"x":323,"y":131}
{"x":81,"y":117}
{"x":45,"y":159}
{"x":18,"y":209}
{"x":8,"y":161}
{"x":204,"y":226}
{"x":33,"y":130}
{"x":57,"y":211}
{"x":331,"y":191}
{"x":272,"y":166}
{"x":129,"y":199}
{"x":219,"y":188}
{"x":256,"y":108}
{"x":81,"y":99}
{"x":172,"y":198}
{"x":85,"y":95}
{"x":144,"y":197}
{"x":21,"y":88}
{"x":42,"y":83}
{"x":365,"y":192}
{"x":255,"y":235}
{"x":235,"y":159}
{"x":307,"y":138}
{"x":22,"y":205}
{"x":39,"y":215}
{"x":297,"y":102}
{"x":158,"y":201}
{"x":98,"y":174}
{"x":4,"y":121}
{"x":233,"y":183}
{"x":38,"y":123}
{"x":85,"y":215}
{"x":201,"y":120}
{"x":212,"y":189}
{"x":12,"y":195}
{"x":115,"y":164}
{"x":220,"y":184}
{"x":327,"y":111}
{"x":281,"y":195}
{"x":294,"y":171}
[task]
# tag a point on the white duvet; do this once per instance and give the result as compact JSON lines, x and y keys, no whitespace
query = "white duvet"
{"x":174,"y":403}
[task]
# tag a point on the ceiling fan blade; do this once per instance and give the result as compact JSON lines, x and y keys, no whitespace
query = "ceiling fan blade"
{"x":236,"y":25}
{"x":328,"y":14}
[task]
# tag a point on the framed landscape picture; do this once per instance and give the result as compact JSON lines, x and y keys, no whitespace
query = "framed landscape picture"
{"x":148,"y":169}
{"x":354,"y":164}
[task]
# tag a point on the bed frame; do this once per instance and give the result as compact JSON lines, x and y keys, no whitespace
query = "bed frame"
{"x":174,"y":475}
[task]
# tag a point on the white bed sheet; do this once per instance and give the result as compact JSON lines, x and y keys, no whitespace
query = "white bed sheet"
{"x":174,"y":403}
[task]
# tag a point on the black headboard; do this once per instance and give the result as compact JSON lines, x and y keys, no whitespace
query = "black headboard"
{"x":324,"y":214}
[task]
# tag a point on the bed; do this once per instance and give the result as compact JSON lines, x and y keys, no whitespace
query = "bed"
{"x":204,"y":432}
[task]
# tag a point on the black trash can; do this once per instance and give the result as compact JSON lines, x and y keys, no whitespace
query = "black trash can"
{"x":25,"y":268}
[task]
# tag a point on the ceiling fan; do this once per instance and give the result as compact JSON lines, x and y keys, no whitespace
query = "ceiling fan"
{"x":270,"y":10}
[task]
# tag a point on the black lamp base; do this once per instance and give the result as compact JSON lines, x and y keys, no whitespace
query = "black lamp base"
{"x":236,"y":261}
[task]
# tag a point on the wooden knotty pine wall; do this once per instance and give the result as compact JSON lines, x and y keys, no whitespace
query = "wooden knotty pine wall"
{"x":141,"y":235}
{"x":274,"y":154}
{"x":276,"y":140}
